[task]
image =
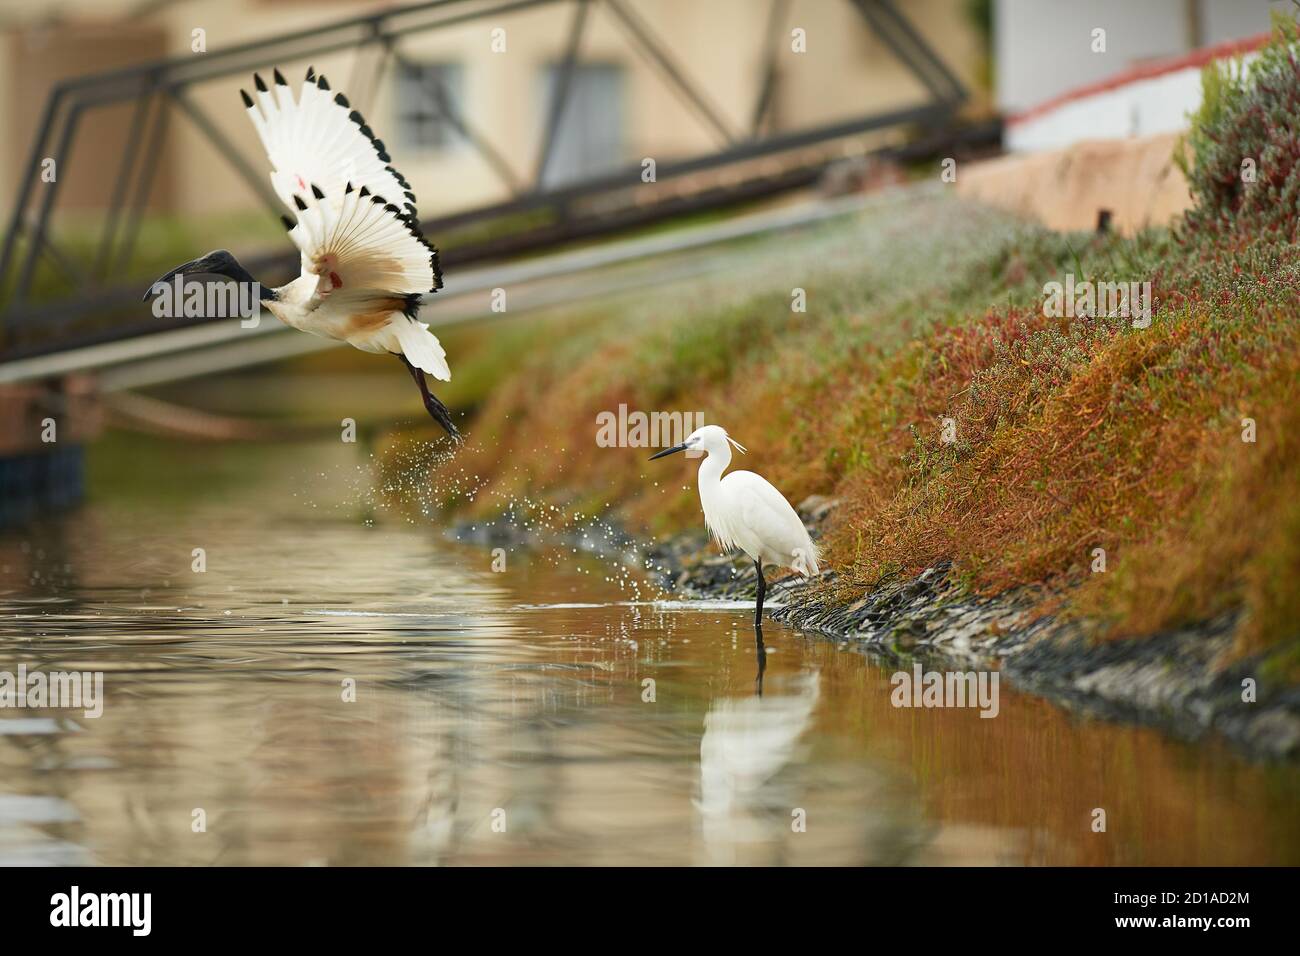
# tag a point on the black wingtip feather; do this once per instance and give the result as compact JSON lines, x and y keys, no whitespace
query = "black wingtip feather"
{"x":311,"y":74}
{"x":437,"y":269}
{"x":259,"y":83}
{"x":248,"y":100}
{"x":316,"y":191}
{"x":288,"y":223}
{"x":279,"y":78}
{"x":341,"y":100}
{"x":298,"y":201}
{"x":324,"y":84}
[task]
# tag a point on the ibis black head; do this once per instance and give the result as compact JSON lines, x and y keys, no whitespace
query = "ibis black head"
{"x":216,"y":263}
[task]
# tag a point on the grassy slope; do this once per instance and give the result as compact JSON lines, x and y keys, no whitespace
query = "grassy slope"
{"x":1072,"y":434}
{"x":730,"y":348}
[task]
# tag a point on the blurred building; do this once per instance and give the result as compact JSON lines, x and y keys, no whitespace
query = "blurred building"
{"x":1095,"y":98}
{"x":1069,"y":71}
{"x":623,"y":108}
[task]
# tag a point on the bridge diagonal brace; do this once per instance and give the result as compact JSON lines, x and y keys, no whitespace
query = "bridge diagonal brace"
{"x":563,"y":86}
{"x":912,"y":50}
{"x":144,"y":181}
{"x":776,"y":18}
{"x":657,"y":54}
{"x":259,"y":184}
{"x":491,"y":155}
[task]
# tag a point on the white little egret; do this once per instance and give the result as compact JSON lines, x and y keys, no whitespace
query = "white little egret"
{"x":365,"y":263}
{"x":743,"y":510}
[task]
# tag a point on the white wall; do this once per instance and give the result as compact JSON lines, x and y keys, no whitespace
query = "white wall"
{"x":1142,"y":108}
{"x":1042,"y":48}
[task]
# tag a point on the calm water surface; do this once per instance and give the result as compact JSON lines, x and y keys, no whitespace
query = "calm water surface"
{"x":502,"y":717}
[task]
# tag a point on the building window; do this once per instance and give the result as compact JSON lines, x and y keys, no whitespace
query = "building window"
{"x":426,"y":92}
{"x":591,"y":134}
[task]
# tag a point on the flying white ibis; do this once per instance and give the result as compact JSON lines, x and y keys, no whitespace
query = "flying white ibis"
{"x":743,"y":510}
{"x":365,"y":263}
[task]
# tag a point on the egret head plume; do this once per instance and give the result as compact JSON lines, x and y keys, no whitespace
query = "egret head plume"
{"x":707,"y":438}
{"x":712,"y":438}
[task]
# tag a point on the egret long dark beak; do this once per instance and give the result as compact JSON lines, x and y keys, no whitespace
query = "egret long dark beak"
{"x":190,"y":268}
{"x":668,"y":451}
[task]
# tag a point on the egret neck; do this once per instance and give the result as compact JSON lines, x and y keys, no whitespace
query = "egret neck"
{"x":709,"y":477}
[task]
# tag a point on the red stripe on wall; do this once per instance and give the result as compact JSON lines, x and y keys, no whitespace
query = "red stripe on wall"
{"x":1147,"y":71}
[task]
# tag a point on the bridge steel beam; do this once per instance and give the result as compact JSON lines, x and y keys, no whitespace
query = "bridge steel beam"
{"x":30,"y":326}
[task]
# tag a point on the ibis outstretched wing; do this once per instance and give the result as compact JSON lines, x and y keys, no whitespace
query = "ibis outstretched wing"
{"x":319,"y":139}
{"x":362,"y":243}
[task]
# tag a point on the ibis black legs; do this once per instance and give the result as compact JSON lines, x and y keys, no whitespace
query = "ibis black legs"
{"x":439,"y":411}
{"x":762,"y":590}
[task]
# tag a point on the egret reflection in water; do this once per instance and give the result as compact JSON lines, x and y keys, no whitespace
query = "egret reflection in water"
{"x":747,"y":742}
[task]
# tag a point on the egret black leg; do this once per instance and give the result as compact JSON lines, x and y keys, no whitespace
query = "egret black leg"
{"x":760,"y":651}
{"x":440,"y":413}
{"x":762,"y":590}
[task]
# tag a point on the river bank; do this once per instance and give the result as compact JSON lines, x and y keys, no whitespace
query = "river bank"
{"x":1172,"y":680}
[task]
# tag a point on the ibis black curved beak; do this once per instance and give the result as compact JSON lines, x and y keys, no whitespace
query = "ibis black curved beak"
{"x":190,"y":268}
{"x":668,"y":451}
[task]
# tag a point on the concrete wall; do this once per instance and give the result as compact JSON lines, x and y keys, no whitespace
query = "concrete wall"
{"x":1135,"y":179}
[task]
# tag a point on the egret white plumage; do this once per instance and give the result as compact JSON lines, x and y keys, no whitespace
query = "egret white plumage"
{"x":365,"y":263}
{"x":743,"y":510}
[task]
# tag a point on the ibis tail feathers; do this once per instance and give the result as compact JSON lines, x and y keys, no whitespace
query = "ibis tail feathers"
{"x":422,"y":348}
